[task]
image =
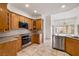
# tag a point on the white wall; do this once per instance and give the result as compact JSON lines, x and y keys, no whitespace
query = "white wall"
{"x":44,"y":18}
{"x":47,"y":27}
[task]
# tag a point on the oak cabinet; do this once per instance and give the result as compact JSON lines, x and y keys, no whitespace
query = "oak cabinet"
{"x":10,"y":20}
{"x":10,"y":48}
{"x":30,"y":23}
{"x":72,"y":46}
{"x":21,"y":19}
{"x":35,"y":38}
{"x":39,"y":24}
{"x":14,"y":21}
{"x":27,"y":20}
{"x":3,"y":17}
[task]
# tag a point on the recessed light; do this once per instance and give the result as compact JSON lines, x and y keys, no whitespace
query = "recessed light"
{"x":63,"y":6}
{"x":35,"y":11}
{"x":27,"y":5}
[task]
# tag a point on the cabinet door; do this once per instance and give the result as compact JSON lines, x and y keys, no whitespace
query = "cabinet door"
{"x":72,"y":46}
{"x":3,"y":17}
{"x":30,"y":23}
{"x":10,"y":48}
{"x":15,"y":21}
{"x":9,"y":20}
{"x":22,"y":19}
{"x":35,"y":38}
{"x":39,"y":24}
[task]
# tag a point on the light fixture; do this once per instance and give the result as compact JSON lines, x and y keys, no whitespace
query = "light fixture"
{"x":27,"y":5}
{"x":35,"y":11}
{"x":63,"y":6}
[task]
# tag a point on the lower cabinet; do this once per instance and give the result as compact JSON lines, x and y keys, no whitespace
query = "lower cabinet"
{"x":37,"y":38}
{"x":10,"y":48}
{"x":72,"y":46}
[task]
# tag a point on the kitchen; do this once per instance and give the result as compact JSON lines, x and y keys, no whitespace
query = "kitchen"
{"x":55,"y":28}
{"x":17,"y":31}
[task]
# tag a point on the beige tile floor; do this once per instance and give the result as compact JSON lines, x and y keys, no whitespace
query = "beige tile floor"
{"x":44,"y":49}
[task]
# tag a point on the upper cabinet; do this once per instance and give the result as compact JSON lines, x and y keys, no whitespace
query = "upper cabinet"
{"x":39,"y":24}
{"x":14,"y":21}
{"x":28,"y":21}
{"x":10,"y":20}
{"x":21,"y":18}
{"x":3,"y":17}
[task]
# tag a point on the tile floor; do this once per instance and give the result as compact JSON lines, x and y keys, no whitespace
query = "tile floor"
{"x":44,"y":49}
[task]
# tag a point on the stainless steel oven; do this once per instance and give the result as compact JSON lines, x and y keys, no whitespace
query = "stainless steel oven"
{"x":26,"y":39}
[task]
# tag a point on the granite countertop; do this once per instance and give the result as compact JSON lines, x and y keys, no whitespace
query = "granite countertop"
{"x":73,"y":36}
{"x":8,"y":36}
{"x":8,"y":39}
{"x":67,"y":35}
{"x":14,"y":32}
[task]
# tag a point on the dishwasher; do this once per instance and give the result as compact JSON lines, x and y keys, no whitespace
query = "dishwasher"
{"x":58,"y":42}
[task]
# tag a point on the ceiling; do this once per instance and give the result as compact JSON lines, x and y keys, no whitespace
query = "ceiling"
{"x":44,"y":8}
